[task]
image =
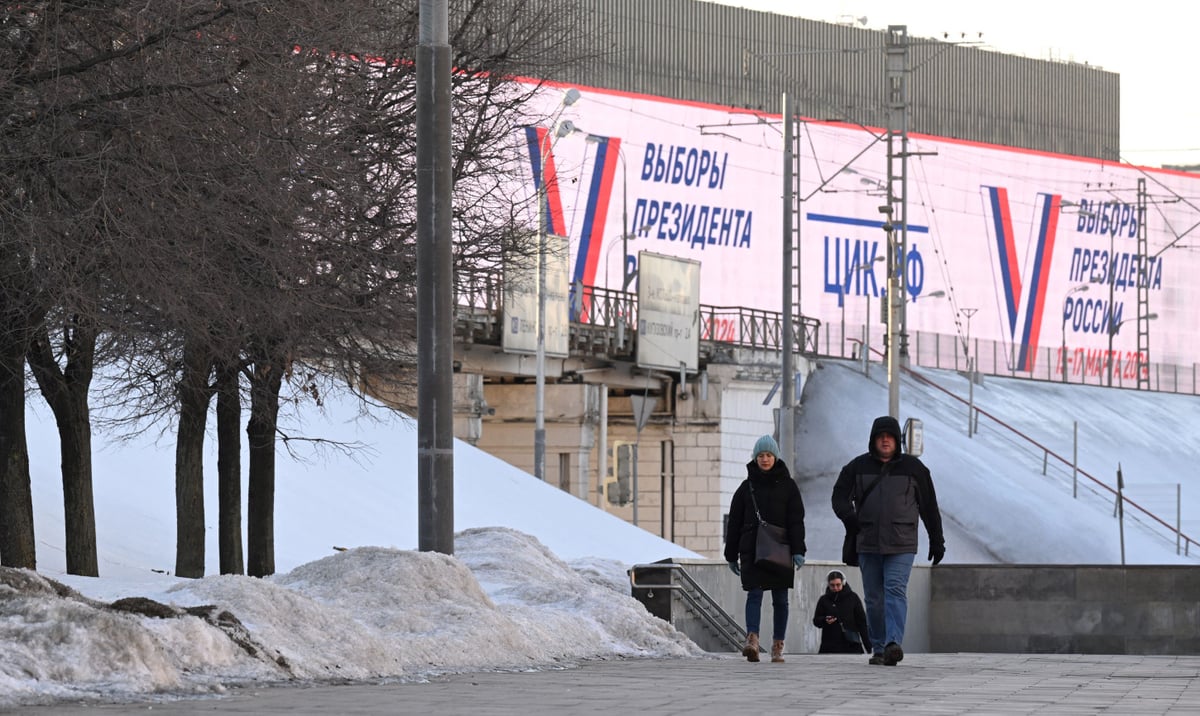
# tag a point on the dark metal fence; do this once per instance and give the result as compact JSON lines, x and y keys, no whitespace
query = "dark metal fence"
{"x":1081,"y":367}
{"x":604,"y":321}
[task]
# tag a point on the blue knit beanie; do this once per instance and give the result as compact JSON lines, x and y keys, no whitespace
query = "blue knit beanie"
{"x":766,"y":444}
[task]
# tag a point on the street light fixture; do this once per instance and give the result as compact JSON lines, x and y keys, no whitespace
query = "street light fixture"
{"x":1066,"y":300}
{"x":1114,"y":330}
{"x":1117,"y":327}
{"x":628,"y":275}
{"x":570,"y":97}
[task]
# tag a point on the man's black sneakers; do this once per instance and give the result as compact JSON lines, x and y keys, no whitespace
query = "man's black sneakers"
{"x":876,"y":660}
{"x":892,"y":654}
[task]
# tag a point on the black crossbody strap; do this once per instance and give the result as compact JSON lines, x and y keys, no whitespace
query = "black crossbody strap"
{"x":870,"y":487}
{"x":755,"y":501}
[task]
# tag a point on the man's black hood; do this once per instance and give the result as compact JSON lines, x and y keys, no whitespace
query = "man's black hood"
{"x":885,"y":424}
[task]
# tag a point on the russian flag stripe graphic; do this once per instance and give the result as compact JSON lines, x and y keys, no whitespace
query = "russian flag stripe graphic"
{"x":1005,"y":247}
{"x":599,"y":196}
{"x":1044,"y":249}
{"x":536,"y":137}
{"x":1024,"y":311}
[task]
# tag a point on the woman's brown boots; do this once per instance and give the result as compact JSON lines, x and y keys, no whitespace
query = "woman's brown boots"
{"x":777,"y":651}
{"x":750,"y":650}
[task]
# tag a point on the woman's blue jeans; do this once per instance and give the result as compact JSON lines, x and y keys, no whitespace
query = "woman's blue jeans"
{"x":885,"y":591}
{"x":779,"y":606}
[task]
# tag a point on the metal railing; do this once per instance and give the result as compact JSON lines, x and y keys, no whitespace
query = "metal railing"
{"x":604,"y":321}
{"x":696,"y":598}
{"x":1183,"y":542}
{"x":1083,"y":367}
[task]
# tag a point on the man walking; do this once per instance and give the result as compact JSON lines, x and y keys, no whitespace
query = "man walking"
{"x":880,"y":494}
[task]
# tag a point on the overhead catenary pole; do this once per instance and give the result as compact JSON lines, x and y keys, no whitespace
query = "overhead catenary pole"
{"x":902,"y":37}
{"x":787,"y":431}
{"x":435,"y":337}
{"x":896,"y":107}
{"x":1142,"y":356}
{"x":894,"y":300}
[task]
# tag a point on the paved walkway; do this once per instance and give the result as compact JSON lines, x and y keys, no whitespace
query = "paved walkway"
{"x":1000,"y":684}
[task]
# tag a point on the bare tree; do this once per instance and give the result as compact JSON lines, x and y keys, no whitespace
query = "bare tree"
{"x":224,"y":190}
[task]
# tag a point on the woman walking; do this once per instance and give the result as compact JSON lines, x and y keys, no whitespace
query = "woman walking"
{"x":768,"y":494}
{"x":841,"y":618}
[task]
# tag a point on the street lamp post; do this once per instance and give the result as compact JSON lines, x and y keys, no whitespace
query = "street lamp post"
{"x":435,"y":285}
{"x":556,"y":131}
{"x":1067,"y":300}
{"x":968,"y":312}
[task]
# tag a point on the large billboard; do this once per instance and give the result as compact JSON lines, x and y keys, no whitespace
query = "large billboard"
{"x":1027,"y":248}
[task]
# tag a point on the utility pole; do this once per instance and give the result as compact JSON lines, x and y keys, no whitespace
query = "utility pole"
{"x":787,"y":427}
{"x":896,"y":68}
{"x":896,"y":108}
{"x":435,"y":285}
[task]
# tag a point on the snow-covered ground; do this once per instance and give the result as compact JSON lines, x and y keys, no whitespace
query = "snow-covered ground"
{"x":997,"y":505}
{"x":538,"y":577}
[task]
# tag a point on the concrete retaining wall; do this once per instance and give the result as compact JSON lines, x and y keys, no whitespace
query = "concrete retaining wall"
{"x":802,"y":637}
{"x":1090,"y":609}
{"x":1008,"y":609}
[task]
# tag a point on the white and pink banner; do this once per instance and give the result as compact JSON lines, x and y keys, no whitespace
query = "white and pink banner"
{"x":1039,"y":249}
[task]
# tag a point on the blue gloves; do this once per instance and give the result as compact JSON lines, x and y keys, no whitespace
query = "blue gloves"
{"x":798,"y":559}
{"x":733,"y":567}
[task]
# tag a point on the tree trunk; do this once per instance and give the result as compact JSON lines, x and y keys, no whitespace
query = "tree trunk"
{"x":16,"y":497}
{"x":264,"y":412}
{"x":66,"y":391}
{"x":229,"y":470}
{"x":194,"y":394}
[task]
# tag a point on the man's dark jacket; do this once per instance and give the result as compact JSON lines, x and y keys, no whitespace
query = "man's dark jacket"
{"x":902,"y":493}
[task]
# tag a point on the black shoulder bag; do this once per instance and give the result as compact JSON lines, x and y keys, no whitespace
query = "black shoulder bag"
{"x":772,"y":550}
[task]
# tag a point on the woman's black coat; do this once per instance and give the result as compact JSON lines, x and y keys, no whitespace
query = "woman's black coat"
{"x":780,"y":503}
{"x":848,"y":608}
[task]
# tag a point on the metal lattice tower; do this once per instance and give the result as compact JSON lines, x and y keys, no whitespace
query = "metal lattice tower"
{"x":1142,"y":361}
